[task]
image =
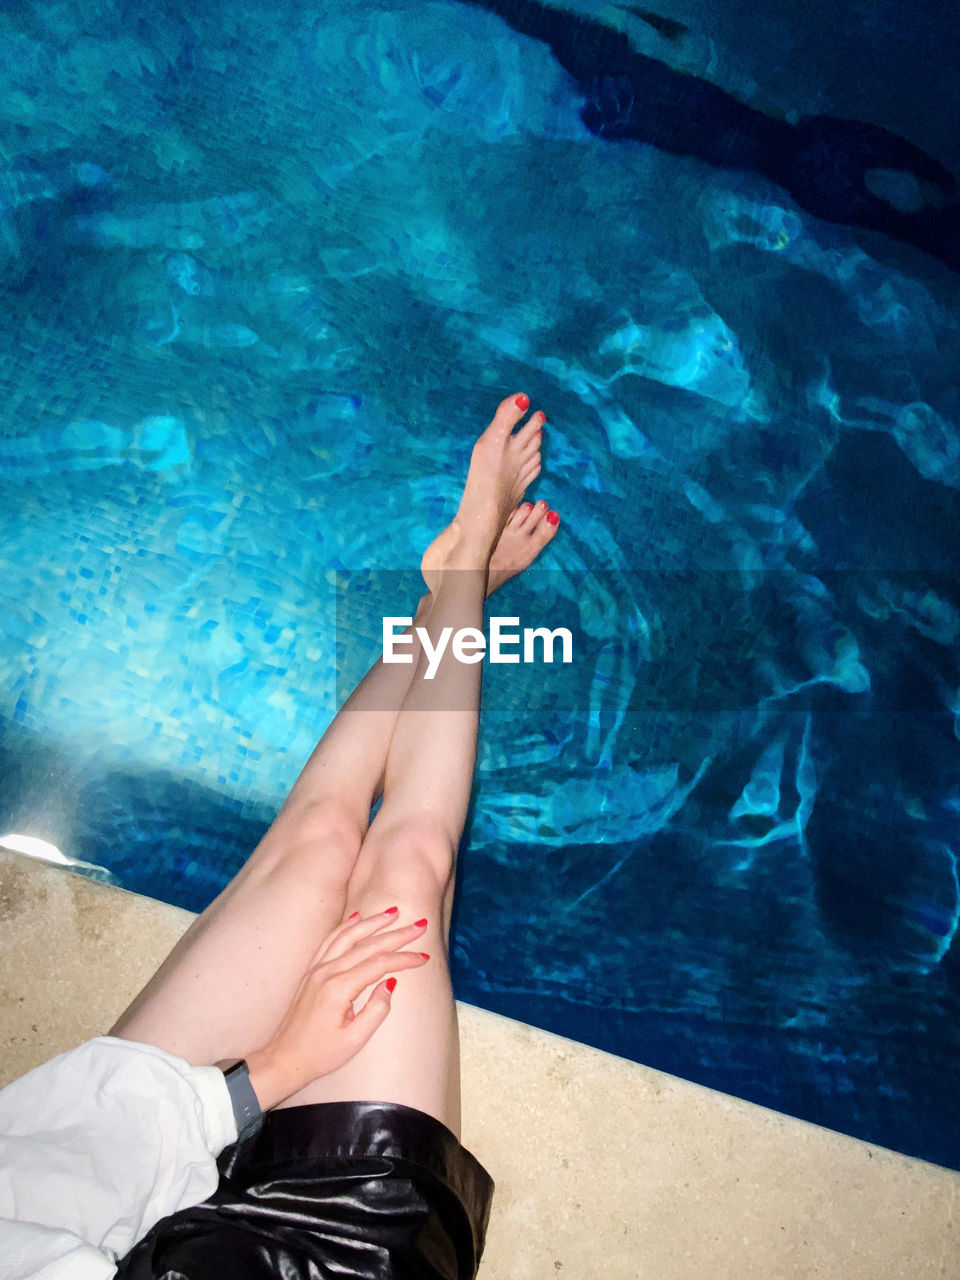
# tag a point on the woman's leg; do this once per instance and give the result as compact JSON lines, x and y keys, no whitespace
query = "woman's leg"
{"x":408,"y":856}
{"x":227,"y":982}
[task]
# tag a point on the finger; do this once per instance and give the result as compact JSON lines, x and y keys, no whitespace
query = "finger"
{"x":351,"y":953}
{"x":371,"y":970}
{"x":350,"y":932}
{"x":370,"y":1017}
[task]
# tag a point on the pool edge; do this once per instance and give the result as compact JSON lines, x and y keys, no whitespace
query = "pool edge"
{"x":603,"y":1166}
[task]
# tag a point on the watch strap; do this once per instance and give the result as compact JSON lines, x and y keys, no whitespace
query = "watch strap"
{"x":246,"y":1106}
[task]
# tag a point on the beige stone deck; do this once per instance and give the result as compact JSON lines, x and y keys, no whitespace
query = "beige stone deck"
{"x":605,"y":1170}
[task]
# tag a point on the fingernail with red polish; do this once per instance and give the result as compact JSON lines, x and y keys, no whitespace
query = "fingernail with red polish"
{"x":390,"y":984}
{"x":522,"y":402}
{"x":421,"y":924}
{"x":391,"y":911}
{"x":424,"y":954}
{"x":552,"y":518}
{"x":354,"y":915}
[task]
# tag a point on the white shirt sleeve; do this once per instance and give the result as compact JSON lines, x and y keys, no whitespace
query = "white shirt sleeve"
{"x":96,"y":1146}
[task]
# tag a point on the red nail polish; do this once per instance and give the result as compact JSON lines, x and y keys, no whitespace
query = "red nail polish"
{"x":421,"y":924}
{"x":424,"y":954}
{"x":354,"y":915}
{"x":522,"y":402}
{"x":391,"y":911}
{"x":390,"y":984}
{"x":552,"y":518}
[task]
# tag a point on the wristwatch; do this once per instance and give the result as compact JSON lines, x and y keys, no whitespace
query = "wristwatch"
{"x":246,"y":1106}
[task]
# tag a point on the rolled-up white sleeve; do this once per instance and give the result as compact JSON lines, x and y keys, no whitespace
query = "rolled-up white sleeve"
{"x":96,"y":1146}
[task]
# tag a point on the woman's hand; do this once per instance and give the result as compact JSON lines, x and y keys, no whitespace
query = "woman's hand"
{"x":320,"y":1031}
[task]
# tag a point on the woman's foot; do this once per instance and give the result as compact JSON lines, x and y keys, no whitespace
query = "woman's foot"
{"x":503,"y":463}
{"x":528,"y":530}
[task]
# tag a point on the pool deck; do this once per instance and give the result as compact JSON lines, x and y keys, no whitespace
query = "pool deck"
{"x":604,"y":1168}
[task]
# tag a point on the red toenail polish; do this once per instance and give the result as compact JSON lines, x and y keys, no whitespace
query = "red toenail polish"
{"x":354,"y":915}
{"x":424,"y":954}
{"x":552,"y":518}
{"x":421,"y":924}
{"x":390,"y":984}
{"x":391,"y":911}
{"x":522,"y":402}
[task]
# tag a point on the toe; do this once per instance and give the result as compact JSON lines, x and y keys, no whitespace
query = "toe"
{"x":528,"y":452}
{"x":531,"y":429}
{"x":547,"y":526}
{"x":510,"y":411}
{"x":530,"y":470}
{"x":527,"y":446}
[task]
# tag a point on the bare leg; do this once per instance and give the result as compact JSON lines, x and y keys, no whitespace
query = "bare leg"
{"x":224,"y":987}
{"x":409,"y":854}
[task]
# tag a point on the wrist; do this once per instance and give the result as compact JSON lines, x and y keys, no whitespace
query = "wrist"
{"x":267,"y":1078}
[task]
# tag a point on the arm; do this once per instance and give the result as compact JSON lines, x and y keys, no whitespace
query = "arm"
{"x":320,"y":1031}
{"x":32,"y":1252}
{"x":100,"y":1143}
{"x":76,"y":1189}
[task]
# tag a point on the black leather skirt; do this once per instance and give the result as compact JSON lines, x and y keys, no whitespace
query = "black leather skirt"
{"x":371,"y":1190}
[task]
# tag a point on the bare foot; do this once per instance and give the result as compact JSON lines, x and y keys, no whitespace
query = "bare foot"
{"x":502,"y":464}
{"x":527,"y":531}
{"x":524,"y":536}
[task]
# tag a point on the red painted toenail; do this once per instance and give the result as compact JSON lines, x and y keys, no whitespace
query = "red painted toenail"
{"x":522,"y":402}
{"x":421,"y":924}
{"x":354,"y":915}
{"x":424,"y":954}
{"x":552,"y":518}
{"x":390,"y":984}
{"x":391,"y":911}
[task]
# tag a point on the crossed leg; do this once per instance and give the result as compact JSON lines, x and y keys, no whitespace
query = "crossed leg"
{"x":224,"y":987}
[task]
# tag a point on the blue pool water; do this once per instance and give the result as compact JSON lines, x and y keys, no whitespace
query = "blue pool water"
{"x":267,"y":268}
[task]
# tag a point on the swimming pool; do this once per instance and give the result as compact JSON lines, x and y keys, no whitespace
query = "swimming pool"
{"x":266,"y":272}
